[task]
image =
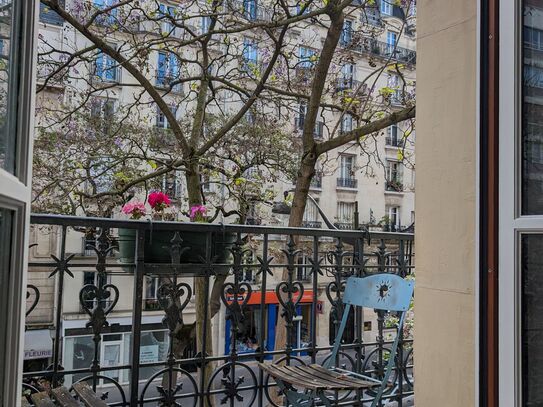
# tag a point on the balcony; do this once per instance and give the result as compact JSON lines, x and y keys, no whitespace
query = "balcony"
{"x":384,"y":50}
{"x":126,"y":344}
{"x":343,"y":84}
{"x":351,"y":183}
{"x":394,"y":185}
{"x":344,"y":225}
{"x":394,"y":142}
{"x":312,"y":224}
{"x":318,"y":131}
{"x":251,"y":10}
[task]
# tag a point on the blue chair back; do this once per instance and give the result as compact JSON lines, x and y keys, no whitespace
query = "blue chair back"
{"x":387,"y":292}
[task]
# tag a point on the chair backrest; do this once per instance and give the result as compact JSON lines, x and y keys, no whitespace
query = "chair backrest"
{"x":383,"y":291}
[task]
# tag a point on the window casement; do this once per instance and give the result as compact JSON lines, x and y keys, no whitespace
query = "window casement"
{"x":306,"y":57}
{"x":172,"y":184}
{"x":250,"y":9}
{"x":347,"y":33}
{"x":161,"y":120}
{"x":345,"y":212}
{"x":168,"y":71}
{"x":394,"y":176}
{"x":103,"y":108}
{"x":346,"y":123}
{"x":311,"y":213}
{"x":346,"y":80}
{"x":205,"y":24}
{"x":250,"y":54}
{"x":386,"y":7}
{"x":394,"y":84}
{"x":167,"y":16}
{"x":392,"y":39}
{"x":393,"y":217}
{"x":346,"y":169}
{"x":392,"y":138}
{"x":105,"y":68}
{"x":107,"y":18}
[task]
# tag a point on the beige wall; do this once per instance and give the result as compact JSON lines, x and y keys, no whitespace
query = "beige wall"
{"x":446,"y":203}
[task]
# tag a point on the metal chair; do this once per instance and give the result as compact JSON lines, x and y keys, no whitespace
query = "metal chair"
{"x":387,"y":292}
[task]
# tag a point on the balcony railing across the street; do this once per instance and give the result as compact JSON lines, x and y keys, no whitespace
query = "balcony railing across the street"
{"x":130,"y":334}
{"x":347,"y":182}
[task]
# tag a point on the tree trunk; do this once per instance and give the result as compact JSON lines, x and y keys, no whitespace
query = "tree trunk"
{"x":201,"y":289}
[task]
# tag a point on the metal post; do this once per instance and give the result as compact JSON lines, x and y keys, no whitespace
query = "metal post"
{"x":136,"y":316}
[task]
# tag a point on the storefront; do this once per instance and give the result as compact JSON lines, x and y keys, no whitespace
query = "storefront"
{"x":38,"y":350}
{"x":247,"y":340}
{"x":114,"y":350}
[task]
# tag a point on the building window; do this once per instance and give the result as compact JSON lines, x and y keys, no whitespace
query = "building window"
{"x":347,"y":33}
{"x":392,"y":218}
{"x":168,"y":70}
{"x":48,"y":16}
{"x":392,"y":39}
{"x":300,"y":119}
{"x":394,"y":176}
{"x":345,"y":214}
{"x":394,"y":85}
{"x":346,"y":123}
{"x":250,"y":9}
{"x":250,"y":54}
{"x":167,"y":17}
{"x":346,"y":169}
{"x":386,"y":7}
{"x":103,"y":114}
{"x":347,"y":76}
{"x":306,"y":57}
{"x":161,"y":121}
{"x":172,"y":184}
{"x":392,"y":136}
{"x":101,"y":170}
{"x":206,"y":24}
{"x":106,"y":68}
{"x":103,"y":108}
{"x":370,"y":15}
{"x":108,"y":18}
{"x":311,"y":215}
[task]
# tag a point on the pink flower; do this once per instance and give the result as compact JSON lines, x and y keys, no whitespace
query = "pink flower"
{"x":135,"y":209}
{"x":198,"y":213}
{"x":158,"y":200}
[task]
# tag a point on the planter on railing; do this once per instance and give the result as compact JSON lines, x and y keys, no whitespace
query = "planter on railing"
{"x":158,"y":246}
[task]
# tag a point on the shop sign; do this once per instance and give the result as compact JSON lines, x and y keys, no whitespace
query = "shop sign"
{"x":38,"y":354}
{"x":149,"y":354}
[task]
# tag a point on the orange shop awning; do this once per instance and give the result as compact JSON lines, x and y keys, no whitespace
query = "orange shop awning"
{"x":270,"y":297}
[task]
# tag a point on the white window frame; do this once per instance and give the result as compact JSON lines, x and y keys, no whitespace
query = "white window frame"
{"x":15,"y":196}
{"x":512,"y":223}
{"x":386,"y":7}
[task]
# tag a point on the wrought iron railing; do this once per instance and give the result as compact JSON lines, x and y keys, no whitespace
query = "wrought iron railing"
{"x":394,"y":141}
{"x":312,"y":224}
{"x":347,"y":182}
{"x":133,"y":342}
{"x":344,"y":225}
{"x":384,"y":50}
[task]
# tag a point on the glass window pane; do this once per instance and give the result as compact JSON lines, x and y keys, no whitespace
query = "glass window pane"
{"x":8,"y":85}
{"x":6,"y":219}
{"x":532,"y":320}
{"x":532,"y":109}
